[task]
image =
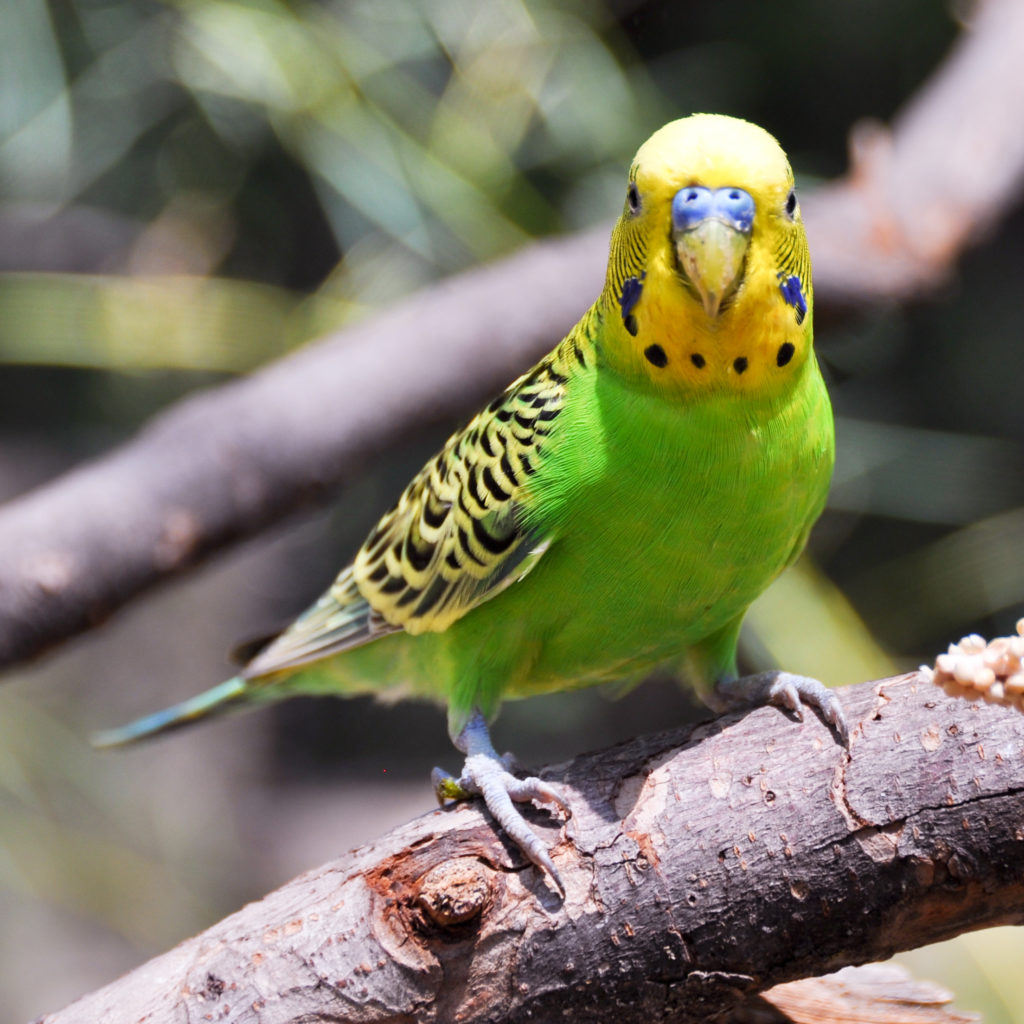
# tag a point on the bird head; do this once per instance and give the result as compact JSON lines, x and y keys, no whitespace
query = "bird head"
{"x":709,"y":283}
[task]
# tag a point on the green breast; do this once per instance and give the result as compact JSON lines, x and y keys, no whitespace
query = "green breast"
{"x":669,"y":522}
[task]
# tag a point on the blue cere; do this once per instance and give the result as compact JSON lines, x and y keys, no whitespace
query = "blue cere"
{"x":694,"y":204}
{"x":793,"y":293}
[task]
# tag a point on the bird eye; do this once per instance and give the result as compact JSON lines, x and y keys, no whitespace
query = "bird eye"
{"x":791,"y":204}
{"x":633,"y":198}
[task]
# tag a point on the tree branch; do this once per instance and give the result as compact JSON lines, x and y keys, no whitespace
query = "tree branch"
{"x":224,"y":464}
{"x":702,"y":866}
{"x":944,"y":174}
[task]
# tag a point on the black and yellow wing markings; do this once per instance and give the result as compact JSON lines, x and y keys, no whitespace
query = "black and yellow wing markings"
{"x":456,"y":536}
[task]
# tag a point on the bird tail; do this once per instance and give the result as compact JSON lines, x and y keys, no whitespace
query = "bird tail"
{"x":213,"y":702}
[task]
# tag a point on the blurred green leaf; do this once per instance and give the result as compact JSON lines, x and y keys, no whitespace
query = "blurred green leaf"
{"x":35,"y":114}
{"x":166,"y":322}
{"x":927,"y":476}
{"x":804,"y":624}
{"x":937,"y":588}
{"x":58,"y":806}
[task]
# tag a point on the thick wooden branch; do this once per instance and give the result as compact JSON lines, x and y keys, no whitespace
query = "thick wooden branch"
{"x":702,"y":867}
{"x":224,"y":464}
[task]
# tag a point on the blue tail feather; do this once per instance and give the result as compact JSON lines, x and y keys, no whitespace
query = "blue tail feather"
{"x":213,"y":701}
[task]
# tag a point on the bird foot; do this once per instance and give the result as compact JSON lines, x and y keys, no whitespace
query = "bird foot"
{"x":487,"y":775}
{"x":786,"y":690}
{"x":448,"y":787}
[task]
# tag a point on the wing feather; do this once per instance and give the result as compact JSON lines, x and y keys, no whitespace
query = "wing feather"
{"x":340,"y":619}
{"x":454,"y":539}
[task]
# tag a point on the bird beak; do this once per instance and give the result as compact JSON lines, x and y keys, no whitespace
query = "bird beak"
{"x":712,"y":256}
{"x":711,"y":232}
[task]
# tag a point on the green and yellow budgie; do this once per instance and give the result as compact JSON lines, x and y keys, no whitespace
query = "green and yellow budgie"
{"x":618,"y":507}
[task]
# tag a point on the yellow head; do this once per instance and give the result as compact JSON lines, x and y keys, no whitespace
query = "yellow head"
{"x":709,"y":278}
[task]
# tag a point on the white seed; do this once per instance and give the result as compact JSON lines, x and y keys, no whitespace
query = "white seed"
{"x":994,"y":657}
{"x":985,"y":679}
{"x":1014,"y":684}
{"x":964,"y":669}
{"x":972,"y":643}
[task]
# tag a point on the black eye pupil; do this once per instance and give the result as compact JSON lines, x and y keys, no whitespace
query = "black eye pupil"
{"x":791,"y":203}
{"x":633,"y":198}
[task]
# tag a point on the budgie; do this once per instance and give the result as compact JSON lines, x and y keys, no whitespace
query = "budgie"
{"x":617,"y":508}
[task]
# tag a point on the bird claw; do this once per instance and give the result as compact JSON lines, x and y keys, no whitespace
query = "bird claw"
{"x":485,"y":775}
{"x":792,"y":692}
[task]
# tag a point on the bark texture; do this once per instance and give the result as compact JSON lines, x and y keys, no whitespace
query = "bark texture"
{"x":224,"y":464}
{"x":702,"y":866}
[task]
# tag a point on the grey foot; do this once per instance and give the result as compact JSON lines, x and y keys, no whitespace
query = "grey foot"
{"x":487,"y":775}
{"x":789,"y":691}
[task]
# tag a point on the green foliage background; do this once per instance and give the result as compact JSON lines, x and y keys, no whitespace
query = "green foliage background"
{"x":191,"y":188}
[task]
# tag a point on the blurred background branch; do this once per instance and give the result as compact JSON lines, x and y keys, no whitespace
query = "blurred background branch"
{"x":191,"y":189}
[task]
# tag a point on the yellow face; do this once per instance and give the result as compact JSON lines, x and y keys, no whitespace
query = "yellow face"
{"x":709,"y":278}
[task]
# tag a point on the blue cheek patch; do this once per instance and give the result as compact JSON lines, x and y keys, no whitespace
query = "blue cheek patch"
{"x":794,"y":295}
{"x":631,"y":290}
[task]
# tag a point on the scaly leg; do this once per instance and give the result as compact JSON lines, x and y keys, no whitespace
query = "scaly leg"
{"x":787,"y":691}
{"x":488,"y":775}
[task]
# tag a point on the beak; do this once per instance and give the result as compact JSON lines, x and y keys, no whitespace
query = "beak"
{"x":711,"y":231}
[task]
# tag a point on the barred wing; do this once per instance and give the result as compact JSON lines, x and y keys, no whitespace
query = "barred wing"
{"x":454,"y":539}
